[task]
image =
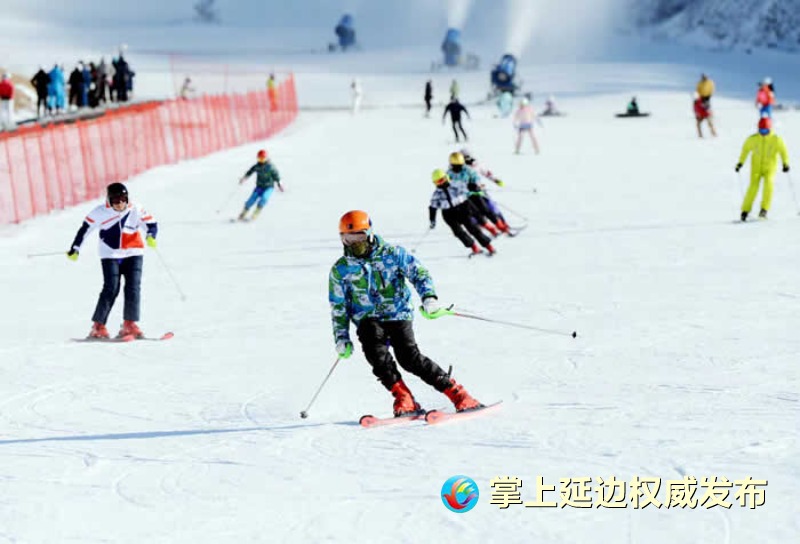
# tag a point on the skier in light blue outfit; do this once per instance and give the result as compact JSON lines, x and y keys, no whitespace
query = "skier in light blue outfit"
{"x":505,"y":103}
{"x":266,"y":178}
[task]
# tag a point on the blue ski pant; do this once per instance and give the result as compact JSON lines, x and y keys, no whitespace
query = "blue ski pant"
{"x":129,"y":268}
{"x":259,"y":195}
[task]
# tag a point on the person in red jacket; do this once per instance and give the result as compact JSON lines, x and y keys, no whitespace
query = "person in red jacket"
{"x":7,"y":103}
{"x":702,"y":112}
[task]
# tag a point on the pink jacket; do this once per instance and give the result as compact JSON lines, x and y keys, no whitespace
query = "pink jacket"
{"x":524,"y":116}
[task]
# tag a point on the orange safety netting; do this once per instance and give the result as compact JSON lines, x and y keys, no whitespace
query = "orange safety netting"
{"x":52,"y":167}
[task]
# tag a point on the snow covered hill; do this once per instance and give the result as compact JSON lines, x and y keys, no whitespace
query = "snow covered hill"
{"x":771,"y":24}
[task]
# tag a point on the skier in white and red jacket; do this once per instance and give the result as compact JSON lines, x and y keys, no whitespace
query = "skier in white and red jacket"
{"x":121,"y":255}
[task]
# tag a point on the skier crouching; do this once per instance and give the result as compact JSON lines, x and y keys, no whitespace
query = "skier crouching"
{"x":461,"y":174}
{"x":458,"y":212}
{"x":266,"y":178}
{"x":121,"y":255}
{"x":367,"y":286}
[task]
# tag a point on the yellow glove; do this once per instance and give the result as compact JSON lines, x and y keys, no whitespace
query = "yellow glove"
{"x":500,"y":182}
{"x":151,"y":242}
{"x":72,"y":255}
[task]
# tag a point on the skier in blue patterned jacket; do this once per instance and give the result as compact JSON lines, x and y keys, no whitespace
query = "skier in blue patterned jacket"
{"x":367,"y":286}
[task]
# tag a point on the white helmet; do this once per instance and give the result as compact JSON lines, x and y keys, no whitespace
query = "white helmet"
{"x":767,"y":81}
{"x":524,"y":101}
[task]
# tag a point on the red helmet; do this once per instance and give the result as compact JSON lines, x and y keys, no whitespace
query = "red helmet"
{"x":261,"y":155}
{"x":355,"y":221}
{"x":765,"y":124}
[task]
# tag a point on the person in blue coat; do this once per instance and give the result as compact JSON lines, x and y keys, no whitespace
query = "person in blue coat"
{"x":56,"y":90}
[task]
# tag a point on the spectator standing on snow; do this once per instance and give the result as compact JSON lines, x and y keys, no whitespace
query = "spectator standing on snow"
{"x":40,"y":82}
{"x":7,"y":103}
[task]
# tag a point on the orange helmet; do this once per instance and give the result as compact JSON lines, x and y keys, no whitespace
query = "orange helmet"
{"x":355,"y":221}
{"x":261,"y":155}
{"x":765,"y":123}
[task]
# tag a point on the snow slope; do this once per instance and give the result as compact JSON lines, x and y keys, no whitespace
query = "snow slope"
{"x":685,"y":363}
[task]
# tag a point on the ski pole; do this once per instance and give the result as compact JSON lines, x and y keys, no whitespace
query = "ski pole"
{"x":304,"y":413}
{"x":171,"y":275}
{"x":420,"y":240}
{"x":227,"y":200}
{"x":573,"y":334}
{"x":46,"y":254}
{"x":794,"y":195}
{"x":506,"y":208}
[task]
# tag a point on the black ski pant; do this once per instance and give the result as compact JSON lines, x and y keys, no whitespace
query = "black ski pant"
{"x":427,"y":106}
{"x":457,"y":123}
{"x":131,"y":269}
{"x":462,"y":220}
{"x":377,"y":336}
{"x":41,"y":105}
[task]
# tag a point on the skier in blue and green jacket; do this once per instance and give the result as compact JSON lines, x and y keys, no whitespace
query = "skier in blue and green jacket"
{"x":367,"y":286}
{"x":266,"y":178}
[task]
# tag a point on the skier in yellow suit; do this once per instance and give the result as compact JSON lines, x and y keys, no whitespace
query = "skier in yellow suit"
{"x":765,"y":146}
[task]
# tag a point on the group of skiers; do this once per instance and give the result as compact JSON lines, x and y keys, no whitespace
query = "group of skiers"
{"x":765,"y":146}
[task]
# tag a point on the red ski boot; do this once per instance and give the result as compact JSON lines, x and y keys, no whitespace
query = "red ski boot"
{"x":130,"y":328}
{"x":503,"y":226}
{"x":476,"y":250}
{"x":98,"y":331}
{"x":492,"y":229}
{"x":460,"y":398}
{"x":490,"y":248}
{"x":404,"y":403}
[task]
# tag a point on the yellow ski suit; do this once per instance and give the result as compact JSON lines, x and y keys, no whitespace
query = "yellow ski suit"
{"x":764,"y":164}
{"x":705,"y":88}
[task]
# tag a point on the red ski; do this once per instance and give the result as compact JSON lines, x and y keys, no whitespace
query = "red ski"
{"x":436,"y":416}
{"x":370,"y":421}
{"x":127,"y":338}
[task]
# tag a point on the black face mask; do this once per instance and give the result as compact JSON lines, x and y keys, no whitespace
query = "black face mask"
{"x":457,"y":168}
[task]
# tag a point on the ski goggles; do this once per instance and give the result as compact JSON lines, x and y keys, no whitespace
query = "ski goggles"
{"x":350,"y":238}
{"x":763,"y":131}
{"x":118,"y":199}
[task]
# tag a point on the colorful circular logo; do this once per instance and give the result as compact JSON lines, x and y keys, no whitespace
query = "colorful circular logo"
{"x":460,"y":494}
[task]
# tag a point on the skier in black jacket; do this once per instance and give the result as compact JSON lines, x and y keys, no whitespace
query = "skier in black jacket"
{"x":455,"y":108}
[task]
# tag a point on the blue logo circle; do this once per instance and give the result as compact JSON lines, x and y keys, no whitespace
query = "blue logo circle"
{"x":460,"y":494}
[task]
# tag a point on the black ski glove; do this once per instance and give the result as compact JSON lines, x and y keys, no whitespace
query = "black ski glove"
{"x":785,"y":167}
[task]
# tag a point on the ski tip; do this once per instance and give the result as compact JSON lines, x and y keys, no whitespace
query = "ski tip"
{"x":167,"y":335}
{"x":434,"y":416}
{"x":366,"y":420}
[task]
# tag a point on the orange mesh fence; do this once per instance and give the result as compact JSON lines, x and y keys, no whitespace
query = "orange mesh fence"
{"x":53,"y":167}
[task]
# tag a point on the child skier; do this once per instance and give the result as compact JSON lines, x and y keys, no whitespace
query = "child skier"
{"x":766,"y":146}
{"x":523,"y":122}
{"x":121,"y":254}
{"x":458,"y":212}
{"x":382,"y":313}
{"x":266,"y":178}
{"x":461,"y":174}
